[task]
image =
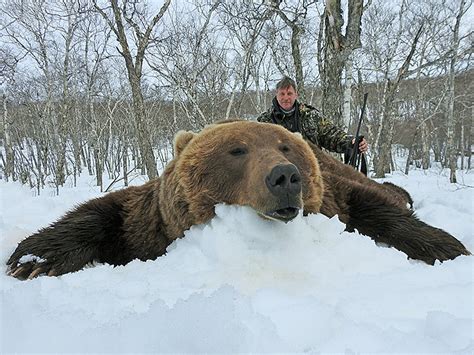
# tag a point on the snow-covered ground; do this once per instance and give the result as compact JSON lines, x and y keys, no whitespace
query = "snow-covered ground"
{"x":243,"y":284}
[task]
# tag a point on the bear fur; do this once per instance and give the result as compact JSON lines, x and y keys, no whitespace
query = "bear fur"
{"x":260,"y":165}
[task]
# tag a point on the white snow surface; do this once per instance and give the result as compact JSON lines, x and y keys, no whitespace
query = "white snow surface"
{"x":243,"y":284}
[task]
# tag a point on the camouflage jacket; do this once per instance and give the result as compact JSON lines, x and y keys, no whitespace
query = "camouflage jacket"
{"x":311,"y":124}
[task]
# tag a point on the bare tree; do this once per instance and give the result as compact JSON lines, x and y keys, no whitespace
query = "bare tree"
{"x":451,"y":118}
{"x":31,"y":31}
{"x":69,"y":12}
{"x":245,"y":21}
{"x":94,"y":38}
{"x":382,"y":160}
{"x":8,"y":64}
{"x":334,"y":52}
{"x":191,"y":61}
{"x":293,"y":16}
{"x":68,"y":100}
{"x":390,"y":64}
{"x":8,"y":161}
{"x":129,"y":15}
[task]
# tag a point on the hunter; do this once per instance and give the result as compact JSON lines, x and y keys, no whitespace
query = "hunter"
{"x":286,"y":111}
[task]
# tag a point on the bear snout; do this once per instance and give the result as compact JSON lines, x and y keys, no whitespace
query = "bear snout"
{"x":284,"y":180}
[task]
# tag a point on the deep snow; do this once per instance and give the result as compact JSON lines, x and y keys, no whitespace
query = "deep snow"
{"x":244,"y":284}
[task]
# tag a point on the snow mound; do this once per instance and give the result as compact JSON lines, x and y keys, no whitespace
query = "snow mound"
{"x":244,"y":284}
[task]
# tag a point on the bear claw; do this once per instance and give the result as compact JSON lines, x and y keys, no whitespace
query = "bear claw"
{"x":36,"y":272}
{"x":27,"y":271}
{"x":18,"y":272}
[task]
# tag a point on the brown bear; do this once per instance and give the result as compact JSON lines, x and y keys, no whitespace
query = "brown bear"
{"x":260,"y":165}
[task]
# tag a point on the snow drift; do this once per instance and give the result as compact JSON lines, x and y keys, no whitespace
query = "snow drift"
{"x":244,"y":284}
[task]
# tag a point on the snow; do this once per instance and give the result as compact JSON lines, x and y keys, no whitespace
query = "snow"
{"x":30,"y":257}
{"x":243,"y":284}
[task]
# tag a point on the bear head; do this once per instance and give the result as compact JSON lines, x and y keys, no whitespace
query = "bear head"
{"x":260,"y":165}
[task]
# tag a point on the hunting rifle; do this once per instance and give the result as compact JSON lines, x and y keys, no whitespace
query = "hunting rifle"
{"x":356,"y":156}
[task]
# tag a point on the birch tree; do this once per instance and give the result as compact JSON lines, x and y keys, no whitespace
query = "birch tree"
{"x":95,"y":37}
{"x":294,"y":15}
{"x":129,"y":16}
{"x":191,"y":62}
{"x":334,"y":52}
{"x":382,"y":159}
{"x":451,"y":118}
{"x":69,"y":13}
{"x":8,"y":64}
{"x":30,"y":29}
{"x":245,"y":21}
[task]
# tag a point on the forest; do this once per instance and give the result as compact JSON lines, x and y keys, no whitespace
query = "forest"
{"x":101,"y":87}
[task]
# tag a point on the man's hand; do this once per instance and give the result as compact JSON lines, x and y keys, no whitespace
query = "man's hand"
{"x":363,"y":146}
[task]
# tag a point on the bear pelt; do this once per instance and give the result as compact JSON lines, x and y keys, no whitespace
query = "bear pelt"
{"x":260,"y":165}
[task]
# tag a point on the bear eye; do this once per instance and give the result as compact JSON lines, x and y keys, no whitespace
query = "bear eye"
{"x":284,"y":148}
{"x":238,"y":151}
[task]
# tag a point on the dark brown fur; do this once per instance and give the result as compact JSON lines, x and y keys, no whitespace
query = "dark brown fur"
{"x":381,"y":212}
{"x":399,"y":193}
{"x":109,"y":229}
{"x":140,"y":222}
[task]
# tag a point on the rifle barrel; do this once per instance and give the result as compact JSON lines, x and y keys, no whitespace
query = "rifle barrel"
{"x":355,"y":151}
{"x":362,"y":113}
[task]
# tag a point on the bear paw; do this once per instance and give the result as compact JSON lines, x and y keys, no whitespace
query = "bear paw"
{"x":30,"y":266}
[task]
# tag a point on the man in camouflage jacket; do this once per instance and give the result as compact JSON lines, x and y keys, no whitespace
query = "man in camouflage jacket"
{"x":286,"y":111}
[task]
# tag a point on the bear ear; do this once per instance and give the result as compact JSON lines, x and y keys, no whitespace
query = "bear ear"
{"x":181,"y":140}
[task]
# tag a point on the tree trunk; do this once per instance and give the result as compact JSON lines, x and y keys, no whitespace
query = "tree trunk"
{"x":295,"y":52}
{"x":86,"y":156}
{"x":10,"y":158}
{"x":469,"y":139}
{"x":144,"y":143}
{"x":337,"y":51}
{"x":125,"y":162}
{"x":451,"y":118}
{"x":384,"y":139}
{"x":410,"y":153}
{"x":347,"y":93}
{"x":99,"y":167}
{"x":295,"y":49}
{"x":383,"y":142}
{"x":425,"y":147}
{"x":134,"y":69}
{"x":462,"y":146}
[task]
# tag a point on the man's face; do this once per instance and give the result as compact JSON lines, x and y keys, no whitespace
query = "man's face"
{"x":286,"y":97}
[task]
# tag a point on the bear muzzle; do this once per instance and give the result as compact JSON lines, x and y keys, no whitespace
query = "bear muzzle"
{"x":284,"y":182}
{"x":283,"y":214}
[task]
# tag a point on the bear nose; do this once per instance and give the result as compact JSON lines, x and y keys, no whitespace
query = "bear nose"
{"x":284,"y":179}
